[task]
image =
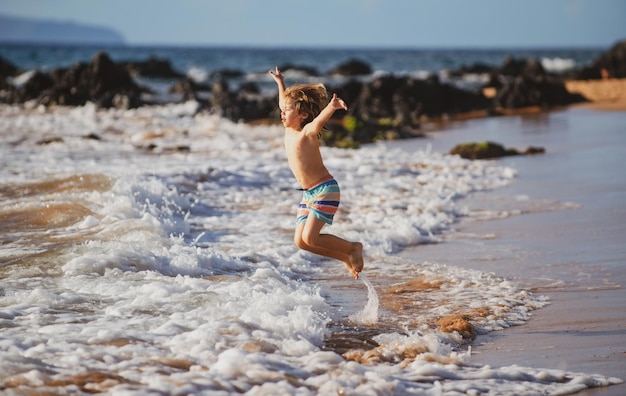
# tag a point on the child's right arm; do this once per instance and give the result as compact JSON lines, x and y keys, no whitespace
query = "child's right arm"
{"x":280,"y":81}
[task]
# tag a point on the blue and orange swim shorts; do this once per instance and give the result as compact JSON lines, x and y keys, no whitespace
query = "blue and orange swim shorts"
{"x":321,"y":200}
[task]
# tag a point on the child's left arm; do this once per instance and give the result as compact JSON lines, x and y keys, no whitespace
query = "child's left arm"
{"x":314,"y":127}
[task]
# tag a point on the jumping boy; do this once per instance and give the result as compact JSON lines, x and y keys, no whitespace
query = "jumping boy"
{"x":304,"y":110}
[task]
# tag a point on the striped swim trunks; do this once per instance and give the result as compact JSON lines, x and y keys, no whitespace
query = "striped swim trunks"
{"x":322,"y":200}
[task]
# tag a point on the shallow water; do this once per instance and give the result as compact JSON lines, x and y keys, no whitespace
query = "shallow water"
{"x":150,"y":250}
{"x":566,"y":242}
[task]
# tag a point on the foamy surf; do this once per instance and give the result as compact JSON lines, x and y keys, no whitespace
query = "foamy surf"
{"x":369,"y":314}
{"x":169,"y":272}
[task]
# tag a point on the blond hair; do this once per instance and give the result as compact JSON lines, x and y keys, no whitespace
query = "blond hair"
{"x":308,"y":99}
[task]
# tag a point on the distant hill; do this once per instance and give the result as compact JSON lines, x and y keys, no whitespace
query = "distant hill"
{"x":24,"y":30}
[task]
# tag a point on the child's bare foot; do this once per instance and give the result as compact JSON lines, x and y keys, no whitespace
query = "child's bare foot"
{"x":356,"y":256}
{"x":356,"y":260}
{"x":352,"y":271}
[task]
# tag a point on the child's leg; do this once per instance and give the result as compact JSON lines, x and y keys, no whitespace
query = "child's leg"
{"x":308,"y":237}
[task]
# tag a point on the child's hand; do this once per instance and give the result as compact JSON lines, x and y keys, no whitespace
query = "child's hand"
{"x":277,"y":75}
{"x":338,"y":103}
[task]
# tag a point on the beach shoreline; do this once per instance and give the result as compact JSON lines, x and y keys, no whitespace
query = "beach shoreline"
{"x":583,"y":327}
{"x":607,"y":94}
{"x":565,"y":242}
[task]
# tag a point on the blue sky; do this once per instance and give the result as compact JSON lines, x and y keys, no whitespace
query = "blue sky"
{"x":344,"y":23}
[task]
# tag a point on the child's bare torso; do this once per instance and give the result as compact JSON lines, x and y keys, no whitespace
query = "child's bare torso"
{"x":304,"y":157}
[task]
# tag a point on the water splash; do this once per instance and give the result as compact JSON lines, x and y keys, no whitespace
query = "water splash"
{"x":369,"y":314}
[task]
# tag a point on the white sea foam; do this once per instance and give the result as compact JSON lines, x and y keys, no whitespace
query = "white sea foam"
{"x":369,"y":314}
{"x":558,"y":65}
{"x":198,"y":74}
{"x":178,"y":275}
{"x":21,"y":79}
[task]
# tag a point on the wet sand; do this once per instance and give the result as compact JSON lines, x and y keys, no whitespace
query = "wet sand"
{"x":567,"y":243}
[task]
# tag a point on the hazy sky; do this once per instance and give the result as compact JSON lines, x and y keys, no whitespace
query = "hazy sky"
{"x":398,"y":23}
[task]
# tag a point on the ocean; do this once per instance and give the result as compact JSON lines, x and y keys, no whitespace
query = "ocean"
{"x":149,"y":251}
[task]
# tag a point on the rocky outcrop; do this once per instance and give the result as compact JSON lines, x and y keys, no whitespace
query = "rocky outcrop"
{"x":7,"y":70}
{"x":243,"y":105}
{"x":152,"y":67}
{"x":531,"y":68}
{"x":611,"y":64}
{"x":352,"y":67}
{"x":101,"y":81}
{"x":32,"y":88}
{"x":394,"y":107}
{"x":488,"y":150}
{"x":188,"y":88}
{"x":476,"y":68}
{"x":300,"y":69}
{"x":383,"y":107}
{"x":523,"y":83}
{"x":520,"y":83}
{"x":526,"y":91}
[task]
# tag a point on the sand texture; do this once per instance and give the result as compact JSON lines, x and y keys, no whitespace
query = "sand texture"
{"x":608,"y":94}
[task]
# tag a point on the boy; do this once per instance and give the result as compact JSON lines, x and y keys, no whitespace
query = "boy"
{"x":304,"y":110}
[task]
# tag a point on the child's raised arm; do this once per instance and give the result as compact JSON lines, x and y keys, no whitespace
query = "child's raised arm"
{"x":280,"y":81}
{"x":314,"y":127}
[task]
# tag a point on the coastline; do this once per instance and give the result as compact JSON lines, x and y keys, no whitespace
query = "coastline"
{"x":607,"y":94}
{"x":565,"y":243}
{"x":602,"y":95}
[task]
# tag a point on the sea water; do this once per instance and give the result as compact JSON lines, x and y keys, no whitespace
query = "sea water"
{"x":369,"y":314}
{"x":149,"y":251}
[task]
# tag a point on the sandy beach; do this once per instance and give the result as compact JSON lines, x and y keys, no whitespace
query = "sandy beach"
{"x":562,"y":234}
{"x":608,"y":94}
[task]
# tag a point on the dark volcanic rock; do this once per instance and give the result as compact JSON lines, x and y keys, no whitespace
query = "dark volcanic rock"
{"x":487,"y":150}
{"x":386,"y":108}
{"x":152,"y":67}
{"x":100,"y":81}
{"x":610,"y":64}
{"x":529,"y":69}
{"x":189,"y":88}
{"x":483,"y":150}
{"x":352,"y":67}
{"x":406,"y":99}
{"x":522,"y":67}
{"x":392,"y":107}
{"x":476,"y":68}
{"x":32,"y":88}
{"x":309,"y":71}
{"x":7,"y":69}
{"x":526,"y":91}
{"x":244,"y":105}
{"x":524,"y":83}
